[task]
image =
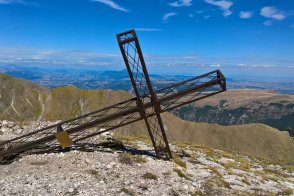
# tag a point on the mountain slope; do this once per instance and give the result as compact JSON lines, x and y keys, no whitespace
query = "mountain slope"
{"x":19,"y":99}
{"x":242,"y":107}
{"x":251,"y":139}
{"x":24,"y":101}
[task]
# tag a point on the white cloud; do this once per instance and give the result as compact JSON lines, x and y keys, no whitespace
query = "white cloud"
{"x":268,"y":23}
{"x":112,"y":4}
{"x":272,"y":12}
{"x":199,"y":11}
{"x":227,"y":13}
{"x":55,"y":57}
{"x":181,"y":3}
{"x":263,"y":66}
{"x":241,"y":65}
{"x":11,"y":1}
{"x":147,"y":29}
{"x":245,"y":14}
{"x":256,"y":65}
{"x":215,"y":65}
{"x":168,"y":15}
{"x":224,"y":5}
{"x":191,"y":15}
{"x":206,"y":17}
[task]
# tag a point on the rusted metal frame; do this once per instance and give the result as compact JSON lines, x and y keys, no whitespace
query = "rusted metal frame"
{"x":224,"y":85}
{"x":175,"y":101}
{"x":141,"y":108}
{"x":142,"y":65}
{"x":190,"y":101}
{"x":185,"y":85}
{"x":186,"y":81}
{"x":108,"y":125}
{"x":92,"y":124}
{"x":153,"y":96}
{"x":136,"y":78}
{"x":148,"y":105}
{"x":103,"y":109}
{"x":139,"y":101}
{"x":125,"y":33}
{"x":109,"y":129}
{"x":199,"y":91}
{"x":190,"y":90}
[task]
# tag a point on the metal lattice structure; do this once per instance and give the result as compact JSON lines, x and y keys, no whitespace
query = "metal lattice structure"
{"x":147,"y":105}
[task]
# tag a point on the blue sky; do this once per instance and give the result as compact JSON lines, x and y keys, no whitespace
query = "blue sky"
{"x":253,"y":37}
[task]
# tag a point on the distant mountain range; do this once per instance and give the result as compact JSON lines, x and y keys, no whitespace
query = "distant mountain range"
{"x":23,"y":101}
{"x":119,"y":80}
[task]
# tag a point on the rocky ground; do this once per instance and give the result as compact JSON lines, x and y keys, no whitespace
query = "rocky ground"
{"x":130,"y":169}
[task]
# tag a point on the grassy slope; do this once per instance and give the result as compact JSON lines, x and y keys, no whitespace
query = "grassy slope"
{"x":251,"y":139}
{"x":66,"y":102}
{"x":20,"y":95}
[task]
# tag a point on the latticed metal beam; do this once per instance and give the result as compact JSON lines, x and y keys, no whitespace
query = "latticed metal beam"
{"x":133,"y":58}
{"x":147,"y":106}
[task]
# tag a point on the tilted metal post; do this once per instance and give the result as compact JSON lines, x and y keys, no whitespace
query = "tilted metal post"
{"x":135,"y":63}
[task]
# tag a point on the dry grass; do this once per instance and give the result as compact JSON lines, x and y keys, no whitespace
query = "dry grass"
{"x":228,"y":154}
{"x":215,"y":171}
{"x":197,"y":193}
{"x":139,"y":159}
{"x":288,"y":191}
{"x":276,"y":172}
{"x":181,"y":174}
{"x":177,"y":160}
{"x":149,"y":176}
{"x":128,"y":191}
{"x":166,"y":173}
{"x":126,"y":158}
{"x":93,"y":172}
{"x":244,"y":164}
{"x":245,"y":180}
{"x":229,"y":164}
{"x":39,"y":163}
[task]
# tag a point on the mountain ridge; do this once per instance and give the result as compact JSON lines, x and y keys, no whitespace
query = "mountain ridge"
{"x":243,"y":107}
